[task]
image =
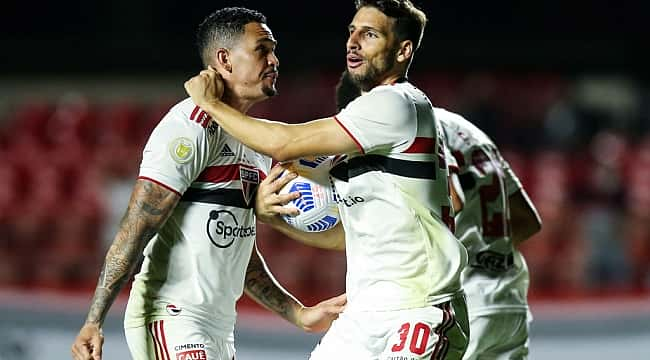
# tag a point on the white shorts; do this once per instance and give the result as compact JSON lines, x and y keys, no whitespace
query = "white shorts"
{"x":435,"y":332}
{"x":502,"y":336}
{"x":175,"y":338}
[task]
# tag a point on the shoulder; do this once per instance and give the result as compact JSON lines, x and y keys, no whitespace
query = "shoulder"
{"x":188,"y":118}
{"x":458,"y":127}
{"x":382,"y":102}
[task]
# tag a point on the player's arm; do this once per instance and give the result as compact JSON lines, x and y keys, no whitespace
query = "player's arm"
{"x":332,"y":239}
{"x":456,"y":192}
{"x":149,"y":207}
{"x":279,"y":140}
{"x":265,"y":290}
{"x":525,"y":221}
{"x":269,"y":207}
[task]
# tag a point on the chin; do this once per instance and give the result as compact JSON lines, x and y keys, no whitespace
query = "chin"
{"x":270,"y":91}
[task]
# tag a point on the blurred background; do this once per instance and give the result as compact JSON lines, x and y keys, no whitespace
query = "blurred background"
{"x":562,"y":88}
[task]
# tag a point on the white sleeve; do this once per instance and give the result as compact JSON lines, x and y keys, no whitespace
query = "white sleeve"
{"x":176,"y":152}
{"x":511,"y":180}
{"x":379,"y":120}
{"x":450,"y":160}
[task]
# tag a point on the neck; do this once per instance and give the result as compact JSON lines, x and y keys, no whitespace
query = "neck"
{"x":236,"y":102}
{"x":390,"y":79}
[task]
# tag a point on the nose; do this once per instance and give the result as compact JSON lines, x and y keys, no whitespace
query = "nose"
{"x":353,"y":41}
{"x":273,"y":60}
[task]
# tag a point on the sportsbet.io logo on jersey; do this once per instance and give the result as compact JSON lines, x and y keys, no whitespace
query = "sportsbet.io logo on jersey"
{"x":223,"y":229}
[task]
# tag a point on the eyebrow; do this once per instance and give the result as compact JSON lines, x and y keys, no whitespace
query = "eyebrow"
{"x":266,"y":40}
{"x":352,"y":27}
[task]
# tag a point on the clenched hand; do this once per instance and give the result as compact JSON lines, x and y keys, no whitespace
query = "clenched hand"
{"x":319,"y":318}
{"x":205,"y":87}
{"x":88,"y":344}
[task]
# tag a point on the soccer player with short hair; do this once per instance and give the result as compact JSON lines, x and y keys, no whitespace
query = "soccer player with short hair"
{"x":403,"y":263}
{"x":191,"y":213}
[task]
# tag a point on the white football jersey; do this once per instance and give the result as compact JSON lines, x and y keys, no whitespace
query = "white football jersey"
{"x":394,"y":202}
{"x":195,"y":266}
{"x":496,"y":278}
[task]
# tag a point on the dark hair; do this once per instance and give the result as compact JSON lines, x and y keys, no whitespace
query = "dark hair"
{"x":222,"y":28}
{"x":409,"y":20}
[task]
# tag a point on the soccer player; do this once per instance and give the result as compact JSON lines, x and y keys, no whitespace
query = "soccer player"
{"x":497,"y":215}
{"x":191,"y":212}
{"x":403,"y":263}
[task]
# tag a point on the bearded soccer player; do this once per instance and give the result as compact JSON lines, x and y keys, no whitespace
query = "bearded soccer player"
{"x":496,"y":216}
{"x":403,"y":263}
{"x":191,"y":212}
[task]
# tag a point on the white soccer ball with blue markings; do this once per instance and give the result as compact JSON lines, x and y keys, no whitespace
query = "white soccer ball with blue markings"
{"x":317,"y":201}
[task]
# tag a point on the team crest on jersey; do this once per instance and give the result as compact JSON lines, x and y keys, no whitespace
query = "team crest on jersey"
{"x":181,"y":150}
{"x":250,"y":178}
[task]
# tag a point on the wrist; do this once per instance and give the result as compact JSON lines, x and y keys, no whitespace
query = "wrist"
{"x":92,"y":323}
{"x":275,"y":220}
{"x":298,"y":316}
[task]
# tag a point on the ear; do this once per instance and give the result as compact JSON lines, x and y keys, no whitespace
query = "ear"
{"x":405,"y":51}
{"x":222,"y":59}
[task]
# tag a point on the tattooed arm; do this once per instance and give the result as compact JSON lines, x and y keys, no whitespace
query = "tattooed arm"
{"x":149,"y":207}
{"x":265,"y":290}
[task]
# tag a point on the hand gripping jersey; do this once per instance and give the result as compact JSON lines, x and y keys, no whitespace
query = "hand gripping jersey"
{"x":195,"y":265}
{"x":496,"y":278}
{"x":394,"y":202}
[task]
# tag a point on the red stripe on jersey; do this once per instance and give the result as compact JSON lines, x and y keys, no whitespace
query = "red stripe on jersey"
{"x":154,"y":336}
{"x":164,"y":340}
{"x":224,"y":173}
{"x":203,"y":119}
{"x":422,"y":145}
{"x":350,"y":134}
{"x":159,"y":183}
{"x":193,"y":115}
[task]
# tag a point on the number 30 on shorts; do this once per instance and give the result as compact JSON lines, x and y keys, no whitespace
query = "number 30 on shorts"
{"x":419,"y":337}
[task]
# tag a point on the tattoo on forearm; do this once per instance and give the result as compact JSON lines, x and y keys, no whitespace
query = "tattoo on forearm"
{"x":262,"y":288}
{"x":149,"y":208}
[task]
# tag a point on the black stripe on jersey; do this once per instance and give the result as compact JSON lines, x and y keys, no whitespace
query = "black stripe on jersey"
{"x":363,"y":164}
{"x":225,"y":197}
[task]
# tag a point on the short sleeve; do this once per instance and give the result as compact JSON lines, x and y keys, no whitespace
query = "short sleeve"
{"x":176,"y":152}
{"x":450,"y":160}
{"x":380,"y":119}
{"x":511,"y":180}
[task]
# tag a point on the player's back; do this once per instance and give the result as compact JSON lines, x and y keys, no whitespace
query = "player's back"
{"x":496,"y":276}
{"x":393,"y":199}
{"x":195,"y":265}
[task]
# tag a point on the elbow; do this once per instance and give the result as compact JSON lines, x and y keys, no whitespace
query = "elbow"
{"x":281,"y":154}
{"x":537,"y":227}
{"x":526,"y":230}
{"x":281,"y":149}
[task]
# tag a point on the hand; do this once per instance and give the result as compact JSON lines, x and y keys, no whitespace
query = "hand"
{"x":88,"y":344}
{"x":205,"y":87}
{"x":268,"y":203}
{"x":319,"y":318}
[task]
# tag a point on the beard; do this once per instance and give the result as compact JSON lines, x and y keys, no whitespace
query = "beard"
{"x":269,"y":91}
{"x":346,"y":90}
{"x":373,"y":74}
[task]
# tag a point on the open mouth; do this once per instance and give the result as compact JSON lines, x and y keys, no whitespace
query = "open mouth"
{"x":354,"y":61}
{"x":271,"y":74}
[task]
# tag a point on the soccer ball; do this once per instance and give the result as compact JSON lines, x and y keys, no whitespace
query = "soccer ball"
{"x":317,"y":201}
